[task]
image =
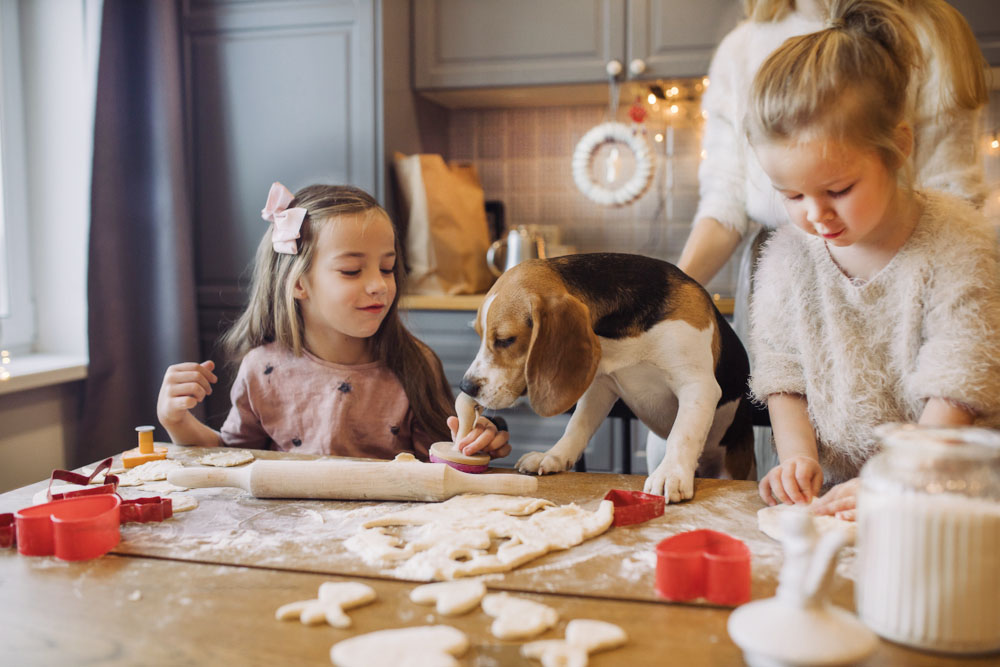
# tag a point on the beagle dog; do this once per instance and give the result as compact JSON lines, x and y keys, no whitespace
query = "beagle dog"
{"x":589,"y":329}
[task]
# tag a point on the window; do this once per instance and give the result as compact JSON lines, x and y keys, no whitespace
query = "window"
{"x":17,"y":321}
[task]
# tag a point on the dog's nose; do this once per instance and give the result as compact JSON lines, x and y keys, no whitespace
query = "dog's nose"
{"x":469,"y":387}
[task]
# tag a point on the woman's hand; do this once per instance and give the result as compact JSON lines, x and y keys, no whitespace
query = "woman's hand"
{"x":184,"y":386}
{"x":796,"y":480}
{"x":488,"y":437}
{"x":841,"y":501}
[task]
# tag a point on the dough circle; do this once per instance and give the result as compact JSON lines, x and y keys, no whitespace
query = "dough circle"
{"x":769,"y":522}
{"x":420,"y":646}
{"x":227,"y":459}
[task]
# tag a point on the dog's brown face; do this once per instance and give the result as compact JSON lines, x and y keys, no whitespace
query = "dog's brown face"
{"x":536,"y":339}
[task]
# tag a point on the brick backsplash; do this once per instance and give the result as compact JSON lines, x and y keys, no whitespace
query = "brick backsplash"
{"x":523,"y":159}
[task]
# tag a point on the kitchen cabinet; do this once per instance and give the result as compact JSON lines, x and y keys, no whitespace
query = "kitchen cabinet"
{"x":273,"y":93}
{"x":984,"y":19}
{"x":451,"y":335}
{"x":472,"y":44}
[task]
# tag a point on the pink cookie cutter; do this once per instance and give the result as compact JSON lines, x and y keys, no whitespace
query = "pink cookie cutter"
{"x":635,"y":506}
{"x":72,"y":529}
{"x":703,"y":564}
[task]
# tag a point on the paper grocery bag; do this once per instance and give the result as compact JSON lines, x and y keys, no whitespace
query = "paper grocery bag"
{"x":446,"y":233}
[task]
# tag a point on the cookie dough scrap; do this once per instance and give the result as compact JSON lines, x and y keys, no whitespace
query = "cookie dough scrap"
{"x":518,"y":618}
{"x":453,"y":539}
{"x":583,"y":637}
{"x":421,"y":646}
{"x":450,"y":597}
{"x":769,"y":522}
{"x":182,"y":502}
{"x":333,"y":599}
{"x":227,"y":459}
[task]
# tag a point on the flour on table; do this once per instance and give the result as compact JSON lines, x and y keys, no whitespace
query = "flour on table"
{"x":153,"y":471}
{"x":517,"y":618}
{"x":583,"y":637}
{"x":226,"y":459}
{"x":42,"y":496}
{"x":452,"y":597}
{"x":421,"y":646}
{"x":333,"y":598}
{"x":453,"y":539}
{"x":769,"y":522}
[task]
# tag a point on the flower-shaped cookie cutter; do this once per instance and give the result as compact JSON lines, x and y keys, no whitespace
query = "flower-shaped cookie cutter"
{"x":635,"y":506}
{"x":703,"y":564}
{"x":78,"y":528}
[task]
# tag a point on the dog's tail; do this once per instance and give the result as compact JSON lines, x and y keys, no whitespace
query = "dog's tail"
{"x":738,"y":441}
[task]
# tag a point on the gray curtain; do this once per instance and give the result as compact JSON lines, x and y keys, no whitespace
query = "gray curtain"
{"x":141,"y":287}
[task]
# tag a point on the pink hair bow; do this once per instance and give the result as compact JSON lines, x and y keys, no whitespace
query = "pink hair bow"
{"x":287,"y":221}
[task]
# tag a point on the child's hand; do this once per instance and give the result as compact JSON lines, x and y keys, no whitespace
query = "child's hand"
{"x":184,"y":386}
{"x":796,"y":480}
{"x":488,"y":437}
{"x":840,"y":501}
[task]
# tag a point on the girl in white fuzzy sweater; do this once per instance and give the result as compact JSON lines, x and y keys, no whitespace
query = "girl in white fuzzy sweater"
{"x":879,"y":303}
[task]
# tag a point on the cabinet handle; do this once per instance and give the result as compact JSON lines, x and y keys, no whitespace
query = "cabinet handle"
{"x":613,"y":68}
{"x":637,"y":67}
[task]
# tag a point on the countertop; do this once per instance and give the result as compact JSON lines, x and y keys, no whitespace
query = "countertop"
{"x":202,"y":588}
{"x":471,"y":302}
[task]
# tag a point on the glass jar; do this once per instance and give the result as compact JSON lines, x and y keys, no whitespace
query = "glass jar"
{"x":929,"y":538}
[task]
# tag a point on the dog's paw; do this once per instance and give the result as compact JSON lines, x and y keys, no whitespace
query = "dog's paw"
{"x":542,"y":463}
{"x":674,"y":485}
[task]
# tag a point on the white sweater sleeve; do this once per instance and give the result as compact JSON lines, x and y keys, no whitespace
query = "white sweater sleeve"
{"x":960,"y":356}
{"x":721,"y":174}
{"x":774,"y":341}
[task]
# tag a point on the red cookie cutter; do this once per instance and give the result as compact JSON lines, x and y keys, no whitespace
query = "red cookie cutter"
{"x":703,"y":563}
{"x":72,"y":529}
{"x":110,"y":482}
{"x":144,"y":510}
{"x":635,"y":506}
{"x":6,"y":530}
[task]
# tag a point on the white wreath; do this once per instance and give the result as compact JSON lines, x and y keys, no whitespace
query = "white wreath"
{"x":584,"y":153}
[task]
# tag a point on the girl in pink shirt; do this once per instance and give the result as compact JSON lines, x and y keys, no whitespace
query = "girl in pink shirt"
{"x":327,"y":365}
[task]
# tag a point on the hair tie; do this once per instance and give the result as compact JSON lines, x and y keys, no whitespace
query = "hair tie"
{"x":287,"y":221}
{"x":834,"y":23}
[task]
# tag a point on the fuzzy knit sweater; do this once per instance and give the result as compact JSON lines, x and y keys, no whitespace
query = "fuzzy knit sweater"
{"x":927,"y":325}
{"x":733,"y":187}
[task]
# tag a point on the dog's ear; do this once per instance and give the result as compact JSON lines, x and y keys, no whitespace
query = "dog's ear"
{"x":563,"y":356}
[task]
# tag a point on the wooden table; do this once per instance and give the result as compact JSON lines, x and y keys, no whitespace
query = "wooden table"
{"x":178,"y":593}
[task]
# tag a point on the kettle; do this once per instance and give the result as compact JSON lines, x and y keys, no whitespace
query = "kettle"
{"x":519,"y":245}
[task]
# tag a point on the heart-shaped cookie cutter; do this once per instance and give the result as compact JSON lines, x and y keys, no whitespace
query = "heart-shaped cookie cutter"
{"x":635,"y":506}
{"x":71,"y":529}
{"x":703,"y":563}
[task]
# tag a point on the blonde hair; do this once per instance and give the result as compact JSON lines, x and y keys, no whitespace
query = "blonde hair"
{"x":847,"y":82}
{"x":948,"y":33}
{"x":273,"y":315}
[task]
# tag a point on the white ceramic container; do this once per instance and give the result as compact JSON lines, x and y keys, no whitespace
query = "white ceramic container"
{"x":929,"y":539}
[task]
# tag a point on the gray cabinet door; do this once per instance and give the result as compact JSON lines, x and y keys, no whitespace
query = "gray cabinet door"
{"x":274,"y":92}
{"x":490,"y":43}
{"x":984,"y":18}
{"x":480,"y":43}
{"x":677,"y":38}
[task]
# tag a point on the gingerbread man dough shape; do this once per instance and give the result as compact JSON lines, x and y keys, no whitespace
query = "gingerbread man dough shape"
{"x":430,"y":645}
{"x":516,"y":618}
{"x":333,"y":599}
{"x":583,"y":637}
{"x":452,"y":597}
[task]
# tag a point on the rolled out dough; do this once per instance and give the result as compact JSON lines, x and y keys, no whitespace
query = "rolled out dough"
{"x":154,"y":471}
{"x":226,"y":459}
{"x":769,"y":522}
{"x":454,"y":539}
{"x":452,"y":597}
{"x":421,"y":646}
{"x":583,"y":637}
{"x":333,"y":598}
{"x":518,"y":618}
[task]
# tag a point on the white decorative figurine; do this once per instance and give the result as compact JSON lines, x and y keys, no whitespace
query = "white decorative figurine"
{"x":799,"y":626}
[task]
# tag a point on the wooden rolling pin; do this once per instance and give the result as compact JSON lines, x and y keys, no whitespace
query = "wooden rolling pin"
{"x":353,"y":480}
